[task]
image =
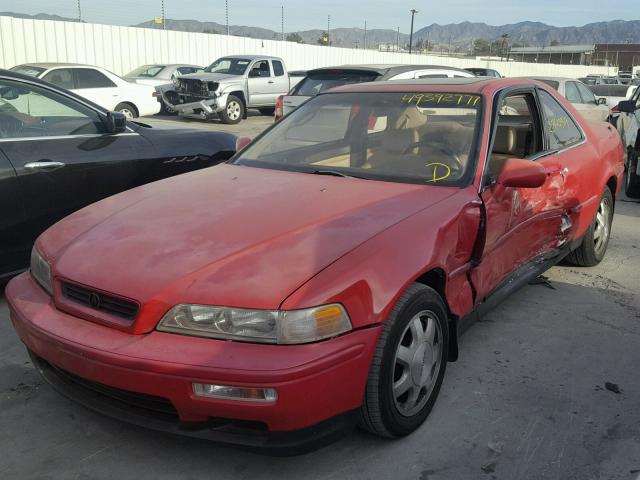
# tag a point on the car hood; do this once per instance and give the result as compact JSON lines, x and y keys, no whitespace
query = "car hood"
{"x":227,"y":235}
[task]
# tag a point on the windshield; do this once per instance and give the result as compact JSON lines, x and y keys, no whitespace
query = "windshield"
{"x":425,"y":138}
{"x":229,"y":66}
{"x":318,"y":82}
{"x":148,"y":71}
{"x":28,"y":70}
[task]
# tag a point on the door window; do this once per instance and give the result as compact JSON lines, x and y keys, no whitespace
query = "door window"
{"x":260,"y":69}
{"x":587,"y":95}
{"x":571,"y":92}
{"x":62,"y":77}
{"x":560,"y":129}
{"x":89,"y":78}
{"x":278,"y":69}
{"x":31,"y":111}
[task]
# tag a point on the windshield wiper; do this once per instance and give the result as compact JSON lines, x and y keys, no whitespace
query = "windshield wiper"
{"x":335,"y":173}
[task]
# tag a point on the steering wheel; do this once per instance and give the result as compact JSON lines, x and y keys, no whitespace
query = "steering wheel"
{"x":441,"y":148}
{"x":10,"y":126}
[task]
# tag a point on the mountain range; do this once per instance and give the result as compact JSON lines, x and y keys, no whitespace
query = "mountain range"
{"x":458,"y":34}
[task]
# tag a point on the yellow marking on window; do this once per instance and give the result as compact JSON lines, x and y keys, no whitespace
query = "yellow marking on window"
{"x":444,"y":174}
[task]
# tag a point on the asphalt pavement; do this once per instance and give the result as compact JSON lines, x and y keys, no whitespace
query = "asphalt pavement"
{"x":546,"y":387}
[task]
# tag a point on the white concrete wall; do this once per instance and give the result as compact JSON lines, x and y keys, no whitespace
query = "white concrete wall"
{"x":121,"y":49}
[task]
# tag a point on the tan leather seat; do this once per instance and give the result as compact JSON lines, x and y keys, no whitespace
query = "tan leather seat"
{"x":504,"y":147}
{"x":395,"y":150}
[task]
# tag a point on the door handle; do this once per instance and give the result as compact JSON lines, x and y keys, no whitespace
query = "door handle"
{"x":43,"y":165}
{"x":271,"y":81}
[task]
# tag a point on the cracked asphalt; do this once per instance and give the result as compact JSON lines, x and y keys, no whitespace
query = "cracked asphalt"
{"x":546,"y":387}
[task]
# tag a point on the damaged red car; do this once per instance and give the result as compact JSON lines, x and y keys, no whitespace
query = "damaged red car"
{"x":322,"y":277}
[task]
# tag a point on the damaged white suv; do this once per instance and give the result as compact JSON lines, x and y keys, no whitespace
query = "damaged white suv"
{"x":231,"y":85}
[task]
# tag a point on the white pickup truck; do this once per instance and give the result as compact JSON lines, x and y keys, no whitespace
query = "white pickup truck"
{"x":231,"y":85}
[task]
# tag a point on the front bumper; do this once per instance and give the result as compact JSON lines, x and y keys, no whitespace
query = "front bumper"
{"x":319,"y":386}
{"x":198,"y":108}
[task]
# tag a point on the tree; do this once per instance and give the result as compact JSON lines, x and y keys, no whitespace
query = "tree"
{"x":209,"y":30}
{"x":419,"y":45}
{"x":480,"y":46}
{"x":554,"y":43}
{"x":294,"y":37}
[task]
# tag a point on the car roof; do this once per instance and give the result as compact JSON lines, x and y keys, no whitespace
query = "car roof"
{"x":252,"y":57}
{"x":385,"y":69}
{"x":454,"y":85}
{"x":48,"y":65}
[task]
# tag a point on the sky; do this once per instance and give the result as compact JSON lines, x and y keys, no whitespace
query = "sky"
{"x":309,"y":14}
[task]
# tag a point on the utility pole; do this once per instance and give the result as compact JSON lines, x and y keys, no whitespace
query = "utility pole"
{"x":365,"y":35}
{"x":413,"y":12}
{"x":163,"y":19}
{"x":79,"y":12}
{"x":282,"y":20}
{"x":328,"y":30}
{"x":398,"y":39}
{"x":226,"y":10}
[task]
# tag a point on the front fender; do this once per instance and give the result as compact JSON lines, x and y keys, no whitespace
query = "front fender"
{"x":369,"y":280}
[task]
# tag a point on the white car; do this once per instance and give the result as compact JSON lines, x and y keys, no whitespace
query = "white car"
{"x":98,"y":85}
{"x":161,"y":77}
{"x":582,"y":98}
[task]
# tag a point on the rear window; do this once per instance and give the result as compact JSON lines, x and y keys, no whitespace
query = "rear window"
{"x":553,"y":84}
{"x":318,"y":82}
{"x":28,"y":70}
{"x":148,"y":71}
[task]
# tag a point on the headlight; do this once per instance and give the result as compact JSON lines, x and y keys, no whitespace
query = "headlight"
{"x":40,"y":270}
{"x":263,"y":326}
{"x":176,"y":82}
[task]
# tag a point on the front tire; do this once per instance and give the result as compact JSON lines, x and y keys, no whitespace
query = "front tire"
{"x":595,"y":242}
{"x":632,"y":181}
{"x":233,"y":112}
{"x":408,"y":366}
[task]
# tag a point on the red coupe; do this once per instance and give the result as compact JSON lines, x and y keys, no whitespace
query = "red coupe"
{"x":322,"y":276}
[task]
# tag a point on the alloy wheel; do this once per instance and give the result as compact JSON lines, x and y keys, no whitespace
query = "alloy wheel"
{"x":127,"y":113}
{"x":417,"y":363}
{"x":233,"y":110}
{"x":603,"y":226}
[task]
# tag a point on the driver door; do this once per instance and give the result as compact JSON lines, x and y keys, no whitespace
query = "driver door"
{"x":522,"y":225}
{"x":62,"y":154}
{"x":260,"y":84}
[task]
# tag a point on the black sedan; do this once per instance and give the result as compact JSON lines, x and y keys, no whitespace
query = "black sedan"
{"x":60,"y":152}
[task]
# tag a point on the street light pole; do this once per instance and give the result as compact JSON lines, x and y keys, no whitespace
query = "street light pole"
{"x":328,"y":30}
{"x":79,"y":12}
{"x":398,"y":40}
{"x":413,"y":12}
{"x":163,"y":19}
{"x":226,"y":10}
{"x":365,"y":34}
{"x":282,"y":20}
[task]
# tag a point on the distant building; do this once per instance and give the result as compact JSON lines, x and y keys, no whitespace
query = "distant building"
{"x":621,"y":55}
{"x":559,"y":54}
{"x":388,"y":47}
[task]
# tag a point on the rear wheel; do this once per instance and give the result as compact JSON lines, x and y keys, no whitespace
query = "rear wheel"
{"x":408,"y":366}
{"x":632,"y":182}
{"x":233,"y":112}
{"x":127,"y":109}
{"x":595,"y":242}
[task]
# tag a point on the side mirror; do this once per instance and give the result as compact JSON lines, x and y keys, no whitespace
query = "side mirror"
{"x":601,"y":101}
{"x":627,"y":106}
{"x":519,"y":173}
{"x":242,"y":142}
{"x":116,"y":122}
